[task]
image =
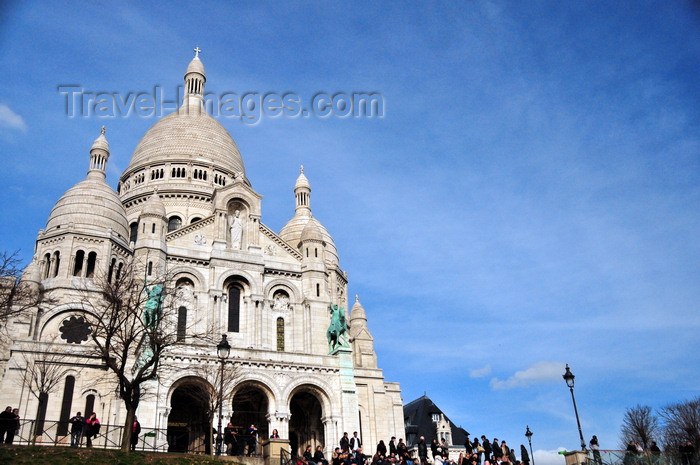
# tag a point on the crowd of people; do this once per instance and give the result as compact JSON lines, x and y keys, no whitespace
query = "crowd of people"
{"x":351,"y":452}
{"x":240,"y":441}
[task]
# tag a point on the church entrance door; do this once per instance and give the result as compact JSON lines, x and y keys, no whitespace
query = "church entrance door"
{"x":250,"y":408}
{"x":189,"y":421}
{"x":305,"y":425}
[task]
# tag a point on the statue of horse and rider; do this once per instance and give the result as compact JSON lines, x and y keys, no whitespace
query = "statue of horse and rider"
{"x":337,"y":331}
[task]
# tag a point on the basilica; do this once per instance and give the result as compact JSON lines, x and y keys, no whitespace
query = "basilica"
{"x":185,"y":205}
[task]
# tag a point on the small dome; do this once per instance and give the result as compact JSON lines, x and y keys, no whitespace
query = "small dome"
{"x":195,"y":66}
{"x":302,"y":181}
{"x":32,"y":273}
{"x":311,"y":232}
{"x":292,"y":232}
{"x":153,"y":206}
{"x":91,"y":206}
{"x":358,"y":311}
{"x":101,"y":142}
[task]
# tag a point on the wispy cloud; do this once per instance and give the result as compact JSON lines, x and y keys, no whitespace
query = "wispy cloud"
{"x":539,"y":372}
{"x":10,"y":119}
{"x":480,"y":372}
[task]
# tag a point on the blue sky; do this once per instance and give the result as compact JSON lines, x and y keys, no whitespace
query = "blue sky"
{"x":529,"y":198}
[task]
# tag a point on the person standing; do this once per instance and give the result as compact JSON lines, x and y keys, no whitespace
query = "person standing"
{"x":135,"y":431}
{"x":487,"y":448}
{"x":422,"y":451}
{"x":392,"y":446}
{"x":595,"y":447}
{"x":5,"y":422}
{"x":345,"y":442}
{"x":13,"y":426}
{"x":77,"y":423}
{"x":252,"y":440}
{"x":355,"y":443}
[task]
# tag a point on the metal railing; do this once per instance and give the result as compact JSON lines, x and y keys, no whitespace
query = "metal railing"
{"x":623,"y":457}
{"x":57,"y":433}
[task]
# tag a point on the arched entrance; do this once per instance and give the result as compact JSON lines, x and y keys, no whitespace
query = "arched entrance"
{"x":189,"y":421}
{"x":250,"y":408}
{"x":305,"y":426}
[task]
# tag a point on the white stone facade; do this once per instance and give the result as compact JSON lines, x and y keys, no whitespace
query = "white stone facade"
{"x":184,"y":205}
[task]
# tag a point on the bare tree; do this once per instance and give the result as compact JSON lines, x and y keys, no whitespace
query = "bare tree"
{"x":639,"y":425}
{"x":681,"y":424}
{"x":18,"y":294}
{"x":44,"y":370}
{"x":132,"y":326}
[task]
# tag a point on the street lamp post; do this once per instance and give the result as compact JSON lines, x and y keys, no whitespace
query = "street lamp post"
{"x":223,"y":348}
{"x":528,"y":434}
{"x":569,"y":378}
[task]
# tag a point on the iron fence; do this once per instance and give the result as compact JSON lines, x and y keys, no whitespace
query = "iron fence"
{"x":623,"y":457}
{"x":57,"y":433}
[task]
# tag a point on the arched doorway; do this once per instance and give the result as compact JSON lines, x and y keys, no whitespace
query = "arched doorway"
{"x":189,"y":422}
{"x":250,"y":408}
{"x":305,"y":426}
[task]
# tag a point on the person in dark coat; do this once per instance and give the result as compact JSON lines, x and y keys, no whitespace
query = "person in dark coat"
{"x":77,"y":423}
{"x":487,"y":448}
{"x":13,"y":426}
{"x":345,"y":442}
{"x":319,"y":458}
{"x":496,"y":449}
{"x":524,"y":456}
{"x":252,"y":440}
{"x":381,"y":448}
{"x":392,"y":446}
{"x":422,"y":450}
{"x":5,"y":422}
{"x":135,"y":431}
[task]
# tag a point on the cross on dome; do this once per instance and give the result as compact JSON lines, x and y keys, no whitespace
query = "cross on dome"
{"x":102,"y":130}
{"x":196,"y":52}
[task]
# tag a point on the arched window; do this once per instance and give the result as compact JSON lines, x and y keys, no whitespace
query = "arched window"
{"x":66,"y":406}
{"x":195,"y":219}
{"x":89,"y":405}
{"x":280,"y":334}
{"x":79,"y":259}
{"x":318,"y":290}
{"x":150,"y":268}
{"x":47,"y":265}
{"x":110,"y":274}
{"x":56,"y":262}
{"x":41,"y":413}
{"x":175,"y":222}
{"x":92,"y":260}
{"x":181,"y":323}
{"x":133,"y":231}
{"x":234,"y":308}
{"x":119,"y":270}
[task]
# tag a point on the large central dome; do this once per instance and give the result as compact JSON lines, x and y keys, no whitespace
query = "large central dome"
{"x":187,"y":136}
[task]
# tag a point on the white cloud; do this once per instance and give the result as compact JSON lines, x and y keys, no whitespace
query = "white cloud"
{"x":537,"y":373}
{"x":549,"y":457}
{"x":10,"y":119}
{"x":480,"y":372}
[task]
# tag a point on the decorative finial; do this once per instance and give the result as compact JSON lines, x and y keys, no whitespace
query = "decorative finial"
{"x":357,"y":298}
{"x":103,"y":130}
{"x":196,"y":52}
{"x":301,"y":169}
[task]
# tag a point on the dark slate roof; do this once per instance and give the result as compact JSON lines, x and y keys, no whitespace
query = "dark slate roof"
{"x":418,"y":419}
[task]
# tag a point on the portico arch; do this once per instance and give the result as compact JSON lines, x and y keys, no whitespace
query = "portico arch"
{"x":250,"y":406}
{"x":305,"y":425}
{"x":189,"y":421}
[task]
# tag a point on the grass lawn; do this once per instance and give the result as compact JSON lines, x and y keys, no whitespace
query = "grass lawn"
{"x":40,"y":455}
